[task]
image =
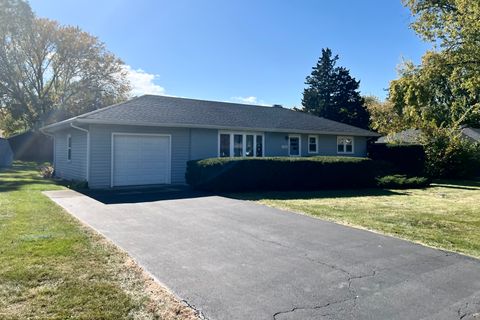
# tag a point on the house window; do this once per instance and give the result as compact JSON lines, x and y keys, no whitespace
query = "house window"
{"x":312,"y":144}
{"x":237,"y":145}
{"x":344,"y":144}
{"x":294,"y":146}
{"x":249,"y":145}
{"x":224,"y":145}
{"x":259,"y":144}
{"x":240,"y":144}
{"x":69,"y":147}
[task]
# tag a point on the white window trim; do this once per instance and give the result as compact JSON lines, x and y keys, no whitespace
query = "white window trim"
{"x":316,"y":144}
{"x":69,"y":147}
{"x":244,"y":142}
{"x":299,"y":145}
{"x":112,"y":146}
{"x":345,"y":146}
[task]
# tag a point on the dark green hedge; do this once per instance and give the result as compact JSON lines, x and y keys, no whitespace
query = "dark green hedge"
{"x":402,"y":182}
{"x":406,"y":159}
{"x":280,"y":173}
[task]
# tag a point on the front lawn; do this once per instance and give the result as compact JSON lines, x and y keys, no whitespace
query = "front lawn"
{"x":446,"y":215}
{"x":52,"y":267}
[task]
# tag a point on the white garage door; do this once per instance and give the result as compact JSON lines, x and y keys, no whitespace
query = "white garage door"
{"x":140,"y":159}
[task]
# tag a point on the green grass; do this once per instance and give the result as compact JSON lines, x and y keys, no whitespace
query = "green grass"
{"x":52,"y":267}
{"x":446,"y":215}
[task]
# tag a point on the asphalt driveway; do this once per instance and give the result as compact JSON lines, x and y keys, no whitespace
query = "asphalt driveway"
{"x":233,"y":259}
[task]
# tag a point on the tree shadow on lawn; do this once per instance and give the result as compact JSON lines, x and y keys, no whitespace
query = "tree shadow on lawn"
{"x":7,"y":186}
{"x":16,"y":178}
{"x":473,"y":185}
{"x":313,"y":194}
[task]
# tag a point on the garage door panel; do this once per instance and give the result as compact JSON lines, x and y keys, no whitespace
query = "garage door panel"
{"x":140,"y":160}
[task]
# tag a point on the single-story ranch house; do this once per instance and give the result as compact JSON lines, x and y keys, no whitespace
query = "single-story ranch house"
{"x":149,"y":139}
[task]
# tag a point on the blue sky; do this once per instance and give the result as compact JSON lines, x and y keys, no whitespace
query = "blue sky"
{"x":247,"y":50}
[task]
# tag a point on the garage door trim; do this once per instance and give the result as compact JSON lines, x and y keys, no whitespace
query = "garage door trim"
{"x":169,"y":163}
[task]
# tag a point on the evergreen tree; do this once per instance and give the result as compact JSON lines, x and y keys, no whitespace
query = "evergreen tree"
{"x":333,"y":93}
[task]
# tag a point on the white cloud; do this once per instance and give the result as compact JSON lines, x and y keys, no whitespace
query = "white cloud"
{"x":249,"y":100}
{"x":143,"y":82}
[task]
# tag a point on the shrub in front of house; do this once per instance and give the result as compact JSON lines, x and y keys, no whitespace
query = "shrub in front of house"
{"x":47,"y":171}
{"x":402,"y":182}
{"x":280,"y":173}
{"x":406,"y":159}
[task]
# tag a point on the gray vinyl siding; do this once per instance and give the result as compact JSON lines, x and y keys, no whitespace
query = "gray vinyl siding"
{"x":203,"y":143}
{"x":327,"y":146}
{"x":76,"y":168}
{"x":276,"y":145}
{"x":101,"y":151}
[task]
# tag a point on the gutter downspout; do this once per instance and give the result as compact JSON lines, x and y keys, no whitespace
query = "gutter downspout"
{"x":88,"y":149}
{"x":54,"y":146}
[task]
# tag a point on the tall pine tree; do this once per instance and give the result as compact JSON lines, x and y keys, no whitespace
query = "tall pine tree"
{"x":333,"y":94}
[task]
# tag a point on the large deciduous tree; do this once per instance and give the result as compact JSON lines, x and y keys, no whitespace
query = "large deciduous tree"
{"x":384,"y":118}
{"x":443,"y":91}
{"x":332,"y":93}
{"x":442,"y":94}
{"x":49,"y":72}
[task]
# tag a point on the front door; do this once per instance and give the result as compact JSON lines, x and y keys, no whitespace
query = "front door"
{"x":294,"y":146}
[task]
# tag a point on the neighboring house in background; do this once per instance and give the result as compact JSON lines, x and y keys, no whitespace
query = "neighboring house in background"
{"x":32,"y":146}
{"x":149,"y":139}
{"x":6,"y":154}
{"x":471,"y":133}
{"x":412,"y":136}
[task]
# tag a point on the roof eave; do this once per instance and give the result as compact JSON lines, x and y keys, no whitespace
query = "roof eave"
{"x":56,"y":126}
{"x":366,"y":133}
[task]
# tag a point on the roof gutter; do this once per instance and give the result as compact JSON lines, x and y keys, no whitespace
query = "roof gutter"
{"x":58,"y":125}
{"x":181,"y":125}
{"x":45,"y":132}
{"x":87,"y":173}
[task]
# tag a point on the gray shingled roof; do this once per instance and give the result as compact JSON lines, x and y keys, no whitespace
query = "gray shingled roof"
{"x":412,"y":136}
{"x":472,"y":133}
{"x":409,"y":136}
{"x":162,"y":110}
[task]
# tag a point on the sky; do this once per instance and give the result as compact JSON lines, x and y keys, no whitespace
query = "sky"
{"x":251,"y":51}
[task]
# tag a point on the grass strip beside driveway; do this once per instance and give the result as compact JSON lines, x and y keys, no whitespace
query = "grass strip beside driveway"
{"x":446,"y":215}
{"x":52,"y":267}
